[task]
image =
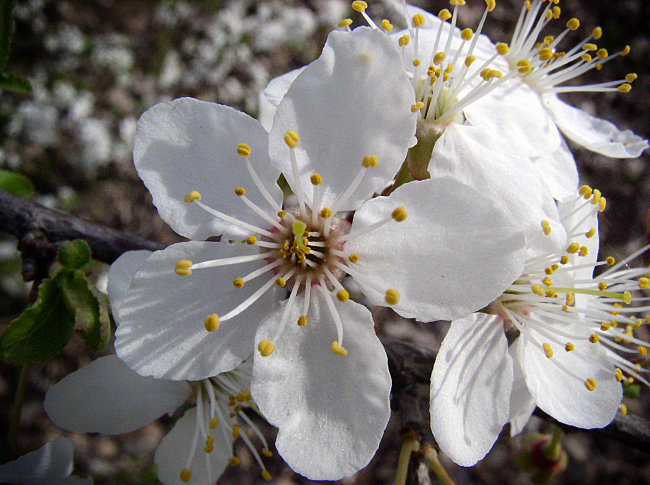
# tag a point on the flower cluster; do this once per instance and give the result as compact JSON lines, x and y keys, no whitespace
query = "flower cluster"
{"x":423,"y":170}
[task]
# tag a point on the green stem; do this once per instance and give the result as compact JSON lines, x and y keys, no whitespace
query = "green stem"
{"x":431,"y":456}
{"x":12,"y":436}
{"x":409,"y":445}
{"x":552,"y":449}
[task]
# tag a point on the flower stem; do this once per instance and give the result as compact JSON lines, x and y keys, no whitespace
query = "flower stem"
{"x":431,"y":456}
{"x":409,"y":445}
{"x":12,"y":436}
{"x":552,"y":449}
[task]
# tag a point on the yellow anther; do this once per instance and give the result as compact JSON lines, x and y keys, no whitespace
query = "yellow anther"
{"x":235,"y":431}
{"x":316,"y":179}
{"x":302,"y":321}
{"x":573,"y":24}
{"x":353,"y":258}
{"x":593,"y":338}
{"x":291,"y":138}
{"x":556,"y":12}
{"x":586,"y":57}
{"x":584,"y":250}
{"x":547,"y":350}
{"x":642,"y":350}
{"x":238,"y":283}
{"x":240,"y":191}
{"x":624,"y":88}
{"x":564,"y":260}
{"x":265,"y":348}
{"x":449,"y":68}
{"x":457,"y":2}
{"x":399,"y":214}
{"x":266,"y":476}
{"x":214,"y":422}
{"x":547,"y":281}
{"x":549,"y":15}
{"x":209,"y":447}
{"x":192,"y":196}
{"x":545,"y":54}
{"x":626,"y":50}
{"x":342,"y":295}
{"x":590,"y":384}
{"x":243,"y":150}
{"x":589,"y":47}
{"x":602,"y":286}
{"x":439,"y":57}
{"x":551,"y":293}
{"x":186,"y":475}
{"x":233,"y":461}
{"x":585,"y":191}
{"x":602,"y":54}
{"x":631,"y":77}
{"x":644,"y":283}
{"x":546,"y":226}
{"x":386,"y":25}
{"x":628,"y":381}
{"x":418,"y":20}
{"x":591,"y":232}
{"x":527,"y":4}
{"x":491,"y":4}
{"x":467,"y":34}
{"x":282,"y":214}
{"x":345,"y":22}
{"x":182,"y":267}
{"x":627,"y":297}
{"x":597,"y":33}
{"x":250,"y":240}
{"x":570,"y":299}
{"x":569,"y":347}
{"x":548,"y":40}
{"x":573,"y":248}
{"x":391,"y":297}
{"x":369,"y":161}
{"x":623,"y":409}
{"x":619,"y":375}
{"x":325,"y":213}
{"x":286,"y":245}
{"x":280,"y":282}
{"x":605,"y":326}
{"x":211,"y":322}
{"x":469,"y":60}
{"x":339,"y":350}
{"x":416,"y":62}
{"x":523,"y":66}
{"x":359,"y":6}
{"x":267,"y":453}
{"x":404,"y":40}
{"x":444,"y":15}
{"x":537,"y":289}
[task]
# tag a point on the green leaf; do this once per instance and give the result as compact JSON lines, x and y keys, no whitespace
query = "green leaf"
{"x":42,"y":330}
{"x":6,"y":16}
{"x":91,"y":320}
{"x":16,"y":183}
{"x":74,"y":254}
{"x":14,"y":82}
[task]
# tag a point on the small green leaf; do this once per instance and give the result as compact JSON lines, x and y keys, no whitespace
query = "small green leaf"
{"x":91,"y":321}
{"x":74,"y":254}
{"x":14,"y":82}
{"x":41,"y":331}
{"x":16,"y":183}
{"x":6,"y":15}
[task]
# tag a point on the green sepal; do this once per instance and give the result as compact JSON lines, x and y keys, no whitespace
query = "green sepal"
{"x":74,"y":254}
{"x":14,"y":82}
{"x":16,"y":183}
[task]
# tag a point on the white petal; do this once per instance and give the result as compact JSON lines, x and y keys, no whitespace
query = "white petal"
{"x":506,"y":178}
{"x":352,"y":101}
{"x":522,"y":403}
{"x":557,"y":384}
{"x":186,"y":145}
{"x":278,"y":87}
{"x":454,"y":254}
{"x":559,"y":171}
{"x":331,"y":409}
{"x":593,"y":133}
{"x":121,"y":274}
{"x":161,"y":329}
{"x":470,"y":388}
{"x":51,"y":463}
{"x":107,"y":397}
{"x":174,"y":449}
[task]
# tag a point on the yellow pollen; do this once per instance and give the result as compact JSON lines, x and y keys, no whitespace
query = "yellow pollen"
{"x":214,"y":422}
{"x":404,"y":40}
{"x":573,"y":24}
{"x":438,"y":58}
{"x":548,"y":40}
{"x":602,"y":286}
{"x":353,"y":258}
{"x":584,"y":250}
{"x":240,"y":191}
{"x":589,"y":47}
{"x":570,"y":299}
{"x":469,"y":60}
{"x":623,"y":409}
{"x":266,"y":476}
{"x":192,"y":196}
{"x":316,"y":179}
{"x":467,"y":34}
{"x":186,"y":475}
{"x":556,"y":12}
{"x":449,"y":68}
{"x":291,"y":138}
{"x":527,"y":4}
{"x":238,"y":283}
{"x":586,"y":57}
{"x":250,"y":240}
{"x":233,"y":461}
{"x":537,"y":289}
{"x":282,"y":214}
{"x":619,"y":375}
{"x":605,"y":326}
{"x":235,"y":431}
{"x":569,"y":347}
{"x":547,"y":281}
{"x":345,"y":22}
{"x":369,"y":161}
{"x":267,"y":453}
{"x":593,"y":338}
{"x":610,"y":261}
{"x":547,"y":227}
{"x":644,"y":283}
{"x":399,"y":214}
{"x":243,"y":150}
{"x":280,"y":282}
{"x":339,"y":350}
{"x":491,"y":4}
{"x":602,"y":54}
{"x":325,"y":213}
{"x":602,"y":204}
{"x":457,"y":2}
{"x":209,"y":447}
{"x":597,"y":33}
{"x":624,"y":88}
{"x":564,"y":260}
{"x":418,"y":20}
{"x":342,"y":295}
{"x":359,"y":6}
{"x":211,"y":322}
{"x":182,"y":267}
{"x":417,"y":107}
{"x":628,"y":381}
{"x":549,"y":15}
{"x":625,"y":51}
{"x":591,"y":232}
{"x":585,"y":191}
{"x":547,"y":350}
{"x":631,"y":77}
{"x":265,"y":348}
{"x":416,"y":62}
{"x":392,"y":296}
{"x":573,"y":248}
{"x":302,"y":321}
{"x":590,"y":384}
{"x":444,"y":15}
{"x":386,"y":25}
{"x":642,"y":350}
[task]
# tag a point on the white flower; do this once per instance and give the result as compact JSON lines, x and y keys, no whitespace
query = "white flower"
{"x":565,"y":359}
{"x":51,"y":463}
{"x":434,"y":249}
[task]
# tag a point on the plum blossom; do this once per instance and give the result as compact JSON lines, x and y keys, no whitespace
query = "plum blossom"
{"x":566,"y":358}
{"x":431,"y":250}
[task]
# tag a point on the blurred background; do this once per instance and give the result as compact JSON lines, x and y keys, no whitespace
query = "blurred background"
{"x":96,"y":65}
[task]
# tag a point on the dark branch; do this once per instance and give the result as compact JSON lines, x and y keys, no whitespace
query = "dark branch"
{"x":39,"y":230}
